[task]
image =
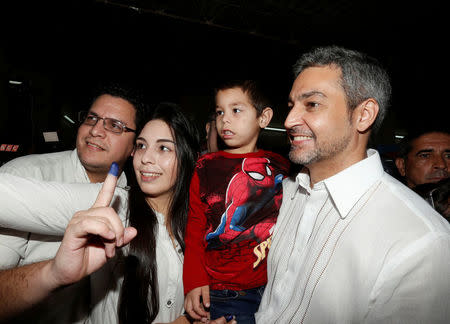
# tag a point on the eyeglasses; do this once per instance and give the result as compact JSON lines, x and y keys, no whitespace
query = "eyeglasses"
{"x":110,"y":124}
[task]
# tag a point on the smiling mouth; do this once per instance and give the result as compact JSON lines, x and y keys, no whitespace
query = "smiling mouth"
{"x":301,"y":138}
{"x":95,"y":146}
{"x":150,"y":175}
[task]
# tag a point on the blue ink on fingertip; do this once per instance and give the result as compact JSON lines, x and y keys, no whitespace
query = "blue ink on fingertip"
{"x":114,"y":170}
{"x":228,"y":317}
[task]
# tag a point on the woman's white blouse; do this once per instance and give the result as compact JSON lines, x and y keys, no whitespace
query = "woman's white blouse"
{"x":106,"y":283}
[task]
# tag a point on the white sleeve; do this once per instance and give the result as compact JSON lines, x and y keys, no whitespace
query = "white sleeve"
{"x":415,"y":288}
{"x":13,"y":246}
{"x":41,"y":207}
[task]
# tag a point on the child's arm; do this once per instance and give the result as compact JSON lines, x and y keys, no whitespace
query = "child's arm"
{"x":195,"y":278}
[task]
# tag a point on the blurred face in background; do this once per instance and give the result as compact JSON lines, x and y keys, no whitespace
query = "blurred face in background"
{"x":428,"y":160}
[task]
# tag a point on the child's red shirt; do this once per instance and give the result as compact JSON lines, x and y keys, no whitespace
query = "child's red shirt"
{"x":234,"y":203}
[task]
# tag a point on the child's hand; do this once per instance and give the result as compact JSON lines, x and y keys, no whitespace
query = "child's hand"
{"x":193,"y":302}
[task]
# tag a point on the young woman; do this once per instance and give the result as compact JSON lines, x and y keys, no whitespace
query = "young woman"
{"x":143,"y":283}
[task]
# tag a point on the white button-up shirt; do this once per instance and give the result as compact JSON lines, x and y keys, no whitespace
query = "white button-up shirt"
{"x":359,"y":247}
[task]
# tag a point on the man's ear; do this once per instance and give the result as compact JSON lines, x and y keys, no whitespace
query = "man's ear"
{"x":400,"y":164}
{"x":265,"y":117}
{"x":365,"y":114}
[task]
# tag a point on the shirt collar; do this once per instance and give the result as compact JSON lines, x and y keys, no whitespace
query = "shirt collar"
{"x":347,"y":186}
{"x":122,"y":181}
{"x":303,"y":180}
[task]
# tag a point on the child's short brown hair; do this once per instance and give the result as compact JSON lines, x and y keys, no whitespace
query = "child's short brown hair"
{"x":251,"y":88}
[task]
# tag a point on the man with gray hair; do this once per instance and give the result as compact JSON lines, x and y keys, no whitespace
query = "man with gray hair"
{"x":351,"y":244}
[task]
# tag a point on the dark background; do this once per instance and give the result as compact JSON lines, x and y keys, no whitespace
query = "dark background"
{"x":178,"y":50}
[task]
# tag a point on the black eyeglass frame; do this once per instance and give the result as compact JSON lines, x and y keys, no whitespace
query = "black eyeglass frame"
{"x":82,"y":117}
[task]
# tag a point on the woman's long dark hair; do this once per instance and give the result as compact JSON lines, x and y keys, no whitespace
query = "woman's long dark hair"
{"x":139,"y":296}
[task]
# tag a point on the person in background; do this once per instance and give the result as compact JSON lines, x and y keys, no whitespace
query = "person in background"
{"x":424,"y":156}
{"x":437,"y":194}
{"x":106,"y":134}
{"x":235,"y":195}
{"x":211,"y":143}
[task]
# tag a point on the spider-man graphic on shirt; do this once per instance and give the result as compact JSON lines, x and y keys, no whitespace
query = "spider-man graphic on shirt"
{"x":233,"y":206}
{"x":248,"y":191}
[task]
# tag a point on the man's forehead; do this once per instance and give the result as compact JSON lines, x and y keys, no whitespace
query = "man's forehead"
{"x":432,"y":142}
{"x":316,"y":80}
{"x":441,"y":139}
{"x":113,"y":107}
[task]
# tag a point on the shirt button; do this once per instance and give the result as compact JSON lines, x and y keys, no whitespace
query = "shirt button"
{"x":169,"y":302}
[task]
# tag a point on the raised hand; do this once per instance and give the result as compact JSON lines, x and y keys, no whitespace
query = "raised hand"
{"x":91,"y":237}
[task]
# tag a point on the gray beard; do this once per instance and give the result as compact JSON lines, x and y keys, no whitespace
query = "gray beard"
{"x":322,"y":151}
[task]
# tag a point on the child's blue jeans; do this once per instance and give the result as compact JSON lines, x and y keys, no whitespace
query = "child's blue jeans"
{"x":243,"y":304}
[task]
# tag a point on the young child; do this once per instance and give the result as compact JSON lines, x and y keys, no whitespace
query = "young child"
{"x":235,"y":196}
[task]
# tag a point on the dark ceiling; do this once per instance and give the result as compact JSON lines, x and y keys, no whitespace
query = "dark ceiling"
{"x":178,"y":50}
{"x":300,"y":22}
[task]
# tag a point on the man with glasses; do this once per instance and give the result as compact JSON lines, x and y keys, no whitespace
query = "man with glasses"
{"x":106,"y":135}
